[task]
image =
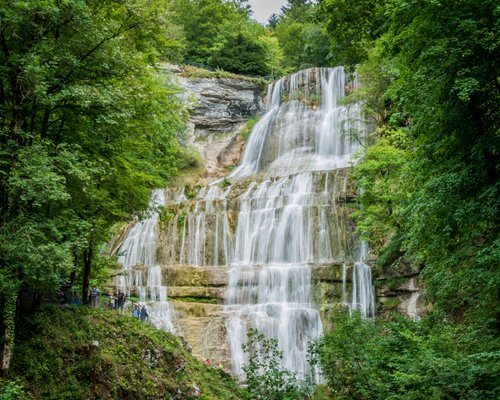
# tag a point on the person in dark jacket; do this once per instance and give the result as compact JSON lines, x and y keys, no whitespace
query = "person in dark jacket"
{"x":144,"y":313}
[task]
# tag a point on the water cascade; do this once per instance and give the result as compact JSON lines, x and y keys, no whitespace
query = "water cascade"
{"x":291,"y":222}
{"x":139,"y":249}
{"x":278,"y":224}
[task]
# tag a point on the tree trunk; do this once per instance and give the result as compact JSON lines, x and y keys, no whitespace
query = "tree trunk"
{"x":87,"y":264}
{"x":9,"y":318}
{"x":7,"y":351}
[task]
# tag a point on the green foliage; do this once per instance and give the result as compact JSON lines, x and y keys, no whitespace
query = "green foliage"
{"x":403,"y":359}
{"x":226,"y":182}
{"x":196,"y":299}
{"x":190,"y":71}
{"x":240,"y":53}
{"x":352,"y":26}
{"x":80,"y":352}
{"x":221,"y":34}
{"x":249,"y":125}
{"x":12,"y":390}
{"x":450,"y":86}
{"x":266,"y":378}
{"x":302,"y":39}
{"x":81,"y":145}
{"x":432,"y":180}
{"x":381,"y":175}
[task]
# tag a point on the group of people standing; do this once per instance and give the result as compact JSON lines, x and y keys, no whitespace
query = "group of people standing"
{"x":117,"y":303}
{"x":69,"y":295}
{"x":140,"y":312}
{"x":113,"y":303}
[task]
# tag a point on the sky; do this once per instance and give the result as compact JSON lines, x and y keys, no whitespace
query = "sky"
{"x":262,"y":9}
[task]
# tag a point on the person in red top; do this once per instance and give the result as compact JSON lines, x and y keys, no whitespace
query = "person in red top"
{"x":208,"y":363}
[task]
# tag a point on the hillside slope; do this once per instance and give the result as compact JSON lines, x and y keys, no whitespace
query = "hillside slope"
{"x":85,"y":353}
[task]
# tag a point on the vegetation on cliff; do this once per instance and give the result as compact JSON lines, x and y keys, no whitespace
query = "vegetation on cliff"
{"x":81,"y":144}
{"x":431,"y":184}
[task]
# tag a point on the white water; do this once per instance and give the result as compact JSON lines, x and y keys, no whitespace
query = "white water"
{"x":412,"y":310}
{"x":139,"y":249}
{"x":363,"y":292}
{"x":290,"y":221}
{"x":306,"y":127}
{"x":287,"y":221}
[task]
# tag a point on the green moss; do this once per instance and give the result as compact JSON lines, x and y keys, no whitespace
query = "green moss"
{"x":225,"y":182}
{"x":390,"y":253}
{"x":394,"y":282}
{"x":196,"y":299}
{"x":181,"y":219}
{"x":192,"y":72}
{"x":190,"y":191}
{"x":247,"y":129}
{"x":86,"y":353}
{"x":166,"y":215}
{"x":391,"y":303}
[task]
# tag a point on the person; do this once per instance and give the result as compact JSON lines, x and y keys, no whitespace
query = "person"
{"x":144,"y":313}
{"x":136,"y":312}
{"x":120,"y":300}
{"x":94,"y":297}
{"x":64,"y":292}
{"x":70,"y":294}
{"x":208,"y":363}
{"x":111,"y":301}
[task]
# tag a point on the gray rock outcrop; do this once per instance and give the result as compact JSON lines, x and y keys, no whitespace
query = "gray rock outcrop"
{"x":219,"y":109}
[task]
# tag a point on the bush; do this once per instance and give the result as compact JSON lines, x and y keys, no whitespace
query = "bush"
{"x":404,"y":359}
{"x":266,"y":378}
{"x":12,"y":390}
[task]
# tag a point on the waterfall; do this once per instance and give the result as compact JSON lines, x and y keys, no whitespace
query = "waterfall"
{"x":274,"y":222}
{"x":306,"y":127}
{"x":363,"y":292}
{"x":139,"y":249}
{"x":291,"y":221}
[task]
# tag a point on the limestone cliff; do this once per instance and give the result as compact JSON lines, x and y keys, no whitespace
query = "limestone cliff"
{"x":219,"y":108}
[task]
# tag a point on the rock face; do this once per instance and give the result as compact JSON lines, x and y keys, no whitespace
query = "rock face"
{"x":219,"y":108}
{"x":400,"y":290}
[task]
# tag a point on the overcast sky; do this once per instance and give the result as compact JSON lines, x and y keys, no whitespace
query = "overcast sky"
{"x":262,"y":9}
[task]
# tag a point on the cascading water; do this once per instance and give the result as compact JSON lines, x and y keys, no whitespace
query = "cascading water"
{"x":139,"y":249}
{"x":305,"y":128}
{"x":290,"y":222}
{"x":275,"y":221}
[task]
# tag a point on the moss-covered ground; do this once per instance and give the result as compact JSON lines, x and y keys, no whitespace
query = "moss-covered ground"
{"x":86,"y":353}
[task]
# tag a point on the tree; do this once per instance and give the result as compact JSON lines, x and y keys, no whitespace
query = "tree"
{"x":404,"y":359}
{"x":439,"y":87}
{"x":301,"y":38}
{"x":221,"y":34}
{"x":241,"y":53}
{"x":80,"y":144}
{"x":352,"y":27}
{"x":266,"y":378}
{"x":203,"y":21}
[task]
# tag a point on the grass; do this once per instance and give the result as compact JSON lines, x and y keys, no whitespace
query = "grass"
{"x":249,"y":125}
{"x":189,"y":71}
{"x":195,"y":299}
{"x":86,"y":353}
